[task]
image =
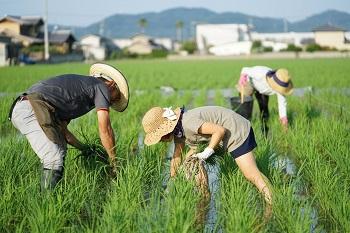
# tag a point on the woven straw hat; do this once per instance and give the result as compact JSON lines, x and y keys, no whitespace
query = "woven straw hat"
{"x":280,"y":81}
{"x":156,"y":126}
{"x":112,"y":74}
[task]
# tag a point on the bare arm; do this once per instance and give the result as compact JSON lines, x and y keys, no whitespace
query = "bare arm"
{"x":217,"y":132}
{"x":176,"y":160}
{"x":70,"y":138}
{"x":106,"y":134}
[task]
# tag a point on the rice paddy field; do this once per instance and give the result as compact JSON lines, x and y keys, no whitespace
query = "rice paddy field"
{"x":309,"y":165}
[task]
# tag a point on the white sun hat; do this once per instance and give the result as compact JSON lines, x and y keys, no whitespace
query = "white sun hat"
{"x":110,"y":73}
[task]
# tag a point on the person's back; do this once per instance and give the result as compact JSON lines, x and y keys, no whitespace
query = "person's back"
{"x":238,"y":127}
{"x":73,"y":95}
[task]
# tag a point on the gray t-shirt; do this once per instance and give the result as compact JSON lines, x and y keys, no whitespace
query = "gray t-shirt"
{"x":237,"y":127}
{"x":73,"y":95}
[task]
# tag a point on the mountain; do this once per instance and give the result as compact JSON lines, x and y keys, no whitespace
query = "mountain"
{"x":332,"y":17}
{"x":162,"y":24}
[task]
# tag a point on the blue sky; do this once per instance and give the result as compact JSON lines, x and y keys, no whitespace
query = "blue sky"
{"x":85,"y":12}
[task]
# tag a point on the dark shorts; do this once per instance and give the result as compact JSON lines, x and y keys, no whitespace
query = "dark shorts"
{"x":248,"y":145}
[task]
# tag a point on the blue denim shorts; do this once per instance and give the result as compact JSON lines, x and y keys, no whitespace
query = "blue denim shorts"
{"x":248,"y":145}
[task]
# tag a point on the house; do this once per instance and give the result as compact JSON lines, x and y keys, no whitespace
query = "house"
{"x":62,"y":41}
{"x":9,"y":49}
{"x":122,"y":43}
{"x":165,"y":42}
{"x":4,"y":54}
{"x":279,"y":41}
{"x":96,"y":47}
{"x":22,"y":39}
{"x":142,"y":44}
{"x":29,"y":26}
{"x":223,"y":39}
{"x":331,"y":36}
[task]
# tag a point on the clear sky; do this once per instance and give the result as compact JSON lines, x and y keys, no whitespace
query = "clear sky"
{"x":85,"y":12}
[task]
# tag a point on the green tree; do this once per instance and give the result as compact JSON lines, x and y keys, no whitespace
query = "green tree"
{"x":143,"y":24}
{"x":189,"y":46}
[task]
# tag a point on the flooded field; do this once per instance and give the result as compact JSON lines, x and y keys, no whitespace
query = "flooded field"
{"x":308,"y":164}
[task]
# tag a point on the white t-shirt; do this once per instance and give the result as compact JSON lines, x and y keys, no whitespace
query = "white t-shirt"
{"x":257,"y":78}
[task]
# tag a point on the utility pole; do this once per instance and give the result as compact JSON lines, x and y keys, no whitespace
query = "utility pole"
{"x":102,"y":28}
{"x":285,"y":25}
{"x":46,"y":33}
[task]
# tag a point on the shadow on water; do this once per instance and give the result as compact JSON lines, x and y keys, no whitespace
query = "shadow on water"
{"x":286,"y":165}
{"x":214,"y":185}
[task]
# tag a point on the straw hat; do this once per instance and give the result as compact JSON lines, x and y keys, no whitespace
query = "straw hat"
{"x":158,"y":122}
{"x":280,"y":81}
{"x":112,"y":74}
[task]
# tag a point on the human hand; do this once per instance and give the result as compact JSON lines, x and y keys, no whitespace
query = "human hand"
{"x":204,"y":154}
{"x":87,"y":150}
{"x":268,"y":212}
{"x":284,"y":122}
{"x":243,"y":80}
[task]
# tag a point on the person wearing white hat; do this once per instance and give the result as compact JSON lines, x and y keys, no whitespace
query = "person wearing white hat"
{"x":264,"y":81}
{"x":43,"y":112}
{"x":213,"y":125}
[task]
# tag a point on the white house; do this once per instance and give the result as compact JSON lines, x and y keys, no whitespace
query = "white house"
{"x":331,"y":36}
{"x":3,"y":52}
{"x":122,"y":43}
{"x":279,"y":41}
{"x":96,"y":47}
{"x":223,"y":39}
{"x":165,"y":42}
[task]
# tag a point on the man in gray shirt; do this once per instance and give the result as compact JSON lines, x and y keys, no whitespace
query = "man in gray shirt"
{"x":44,"y":111}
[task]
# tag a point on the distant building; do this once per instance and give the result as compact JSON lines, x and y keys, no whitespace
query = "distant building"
{"x":331,"y":36}
{"x":62,"y":40}
{"x":142,"y":44}
{"x":29,"y":26}
{"x":279,"y":41}
{"x":4,"y":54}
{"x":122,"y":43}
{"x":223,"y":39}
{"x":96,"y":47}
{"x":22,"y":39}
{"x":165,"y":42}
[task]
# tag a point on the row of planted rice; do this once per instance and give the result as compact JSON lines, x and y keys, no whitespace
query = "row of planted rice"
{"x":307,"y":165}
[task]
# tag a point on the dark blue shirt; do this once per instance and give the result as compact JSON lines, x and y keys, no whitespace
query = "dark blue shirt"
{"x":73,"y":95}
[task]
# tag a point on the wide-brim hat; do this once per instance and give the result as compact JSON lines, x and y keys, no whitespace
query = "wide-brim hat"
{"x":156,"y":125}
{"x":280,"y":81}
{"x":110,"y":73}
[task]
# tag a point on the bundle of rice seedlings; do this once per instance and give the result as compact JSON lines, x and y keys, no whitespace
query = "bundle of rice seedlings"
{"x":94,"y":149}
{"x":194,"y":169}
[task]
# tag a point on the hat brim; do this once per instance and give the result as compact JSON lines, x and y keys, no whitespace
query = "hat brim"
{"x":167,"y":127}
{"x":282,"y":90}
{"x":103,"y":70}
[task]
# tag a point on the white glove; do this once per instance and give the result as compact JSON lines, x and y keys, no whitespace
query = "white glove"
{"x":205,"y":154}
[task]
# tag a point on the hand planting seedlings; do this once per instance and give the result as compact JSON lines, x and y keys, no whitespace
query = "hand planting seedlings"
{"x":212,"y":124}
{"x":263,"y":81}
{"x":44,"y":111}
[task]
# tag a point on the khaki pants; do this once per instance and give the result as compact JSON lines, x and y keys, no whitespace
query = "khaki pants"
{"x":51,"y":155}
